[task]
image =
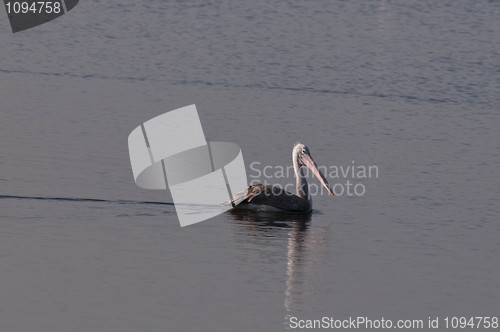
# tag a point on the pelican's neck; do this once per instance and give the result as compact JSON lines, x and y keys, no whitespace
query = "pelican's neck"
{"x":301,"y":181}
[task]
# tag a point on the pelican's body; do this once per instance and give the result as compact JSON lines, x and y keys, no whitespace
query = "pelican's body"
{"x":274,"y":198}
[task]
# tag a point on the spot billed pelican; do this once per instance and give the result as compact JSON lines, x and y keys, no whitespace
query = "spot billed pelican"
{"x":264,"y":197}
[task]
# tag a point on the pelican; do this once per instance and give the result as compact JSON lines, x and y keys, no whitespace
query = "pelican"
{"x":273,"y":198}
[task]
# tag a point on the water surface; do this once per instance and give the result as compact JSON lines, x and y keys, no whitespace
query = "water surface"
{"x":410,"y":87}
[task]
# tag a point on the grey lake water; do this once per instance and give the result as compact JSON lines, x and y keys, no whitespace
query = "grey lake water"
{"x":411,"y":87}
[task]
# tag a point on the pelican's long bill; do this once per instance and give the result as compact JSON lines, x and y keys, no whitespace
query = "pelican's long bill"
{"x":311,"y":164}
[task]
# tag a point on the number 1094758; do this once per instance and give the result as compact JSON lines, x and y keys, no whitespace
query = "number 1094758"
{"x":35,"y":7}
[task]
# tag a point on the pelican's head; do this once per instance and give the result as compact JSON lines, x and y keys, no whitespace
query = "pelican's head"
{"x":302,"y":156}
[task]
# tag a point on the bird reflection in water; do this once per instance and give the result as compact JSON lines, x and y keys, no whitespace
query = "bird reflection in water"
{"x":306,"y":249}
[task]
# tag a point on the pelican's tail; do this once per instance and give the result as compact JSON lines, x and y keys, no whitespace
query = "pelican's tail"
{"x":237,"y":198}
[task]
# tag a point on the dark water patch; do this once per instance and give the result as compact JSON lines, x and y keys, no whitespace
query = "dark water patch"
{"x":76,"y":199}
{"x":352,"y":92}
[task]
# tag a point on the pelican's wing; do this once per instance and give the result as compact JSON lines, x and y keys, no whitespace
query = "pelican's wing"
{"x":270,"y":195}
